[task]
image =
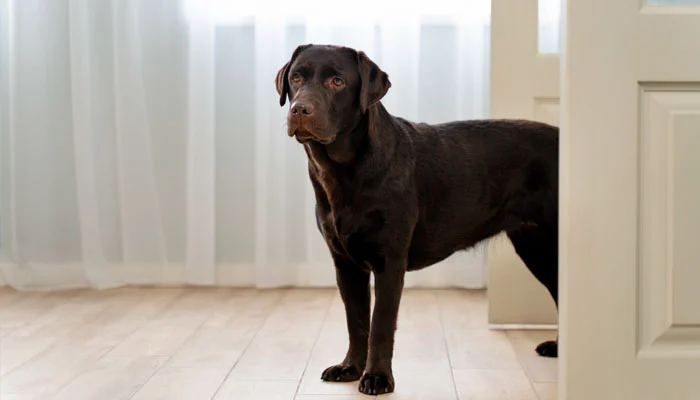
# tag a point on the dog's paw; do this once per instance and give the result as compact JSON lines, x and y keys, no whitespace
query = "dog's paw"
{"x":547,"y":349}
{"x":341,"y":373}
{"x":376,"y":383}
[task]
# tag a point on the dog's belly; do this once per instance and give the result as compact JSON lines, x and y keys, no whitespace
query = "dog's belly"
{"x":436,"y":241}
{"x":427,"y":252}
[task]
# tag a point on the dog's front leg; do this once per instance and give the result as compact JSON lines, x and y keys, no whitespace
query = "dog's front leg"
{"x":378,"y":377}
{"x":353,"y":283}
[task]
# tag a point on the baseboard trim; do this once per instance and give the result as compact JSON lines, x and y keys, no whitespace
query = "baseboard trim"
{"x":523,"y":327}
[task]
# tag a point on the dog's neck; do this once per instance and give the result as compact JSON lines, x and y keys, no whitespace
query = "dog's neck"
{"x":366,"y":139}
{"x":336,"y":168}
{"x":349,"y":146}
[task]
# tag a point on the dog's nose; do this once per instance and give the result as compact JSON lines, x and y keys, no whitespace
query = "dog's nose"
{"x":302,"y":108}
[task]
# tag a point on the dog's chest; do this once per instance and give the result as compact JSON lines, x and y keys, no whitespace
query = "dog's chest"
{"x":338,"y":201}
{"x":349,"y":217}
{"x":351,"y":228}
{"x":341,"y":217}
{"x":355,"y":236}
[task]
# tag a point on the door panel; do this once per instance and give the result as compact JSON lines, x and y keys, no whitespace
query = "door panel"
{"x":524,"y":84}
{"x":630,"y":201}
{"x":669,"y":318}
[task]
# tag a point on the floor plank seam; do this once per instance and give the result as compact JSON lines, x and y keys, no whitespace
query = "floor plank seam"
{"x":41,"y":314}
{"x":523,"y":365}
{"x":313,"y":347}
{"x":165,"y":308}
{"x":271,"y":311}
{"x":446,"y":343}
{"x":54,"y":346}
{"x":109,"y":350}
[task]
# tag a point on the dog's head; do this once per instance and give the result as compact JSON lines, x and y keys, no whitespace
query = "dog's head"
{"x":329,"y":89}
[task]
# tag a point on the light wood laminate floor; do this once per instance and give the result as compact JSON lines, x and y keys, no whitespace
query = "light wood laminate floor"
{"x":153,"y":343}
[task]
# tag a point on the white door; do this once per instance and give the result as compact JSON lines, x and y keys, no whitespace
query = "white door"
{"x":524,"y":84}
{"x":630,"y":201}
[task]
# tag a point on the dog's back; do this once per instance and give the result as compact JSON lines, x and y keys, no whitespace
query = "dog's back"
{"x":478,"y":178}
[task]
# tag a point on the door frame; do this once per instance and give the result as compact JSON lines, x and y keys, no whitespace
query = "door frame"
{"x":524,"y":84}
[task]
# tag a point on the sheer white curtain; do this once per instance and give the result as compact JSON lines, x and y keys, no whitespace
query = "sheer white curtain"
{"x":142,"y":142}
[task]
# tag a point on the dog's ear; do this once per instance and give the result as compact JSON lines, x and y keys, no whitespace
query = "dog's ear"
{"x":281,"y":80}
{"x":374,"y":82}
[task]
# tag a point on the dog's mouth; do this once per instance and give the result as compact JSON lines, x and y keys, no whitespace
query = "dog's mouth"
{"x":304,"y":136}
{"x":307,"y":130}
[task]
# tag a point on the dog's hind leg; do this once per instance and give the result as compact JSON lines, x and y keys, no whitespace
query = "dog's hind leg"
{"x":538,"y":248}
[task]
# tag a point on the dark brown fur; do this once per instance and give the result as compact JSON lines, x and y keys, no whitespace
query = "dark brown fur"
{"x":395,"y":196}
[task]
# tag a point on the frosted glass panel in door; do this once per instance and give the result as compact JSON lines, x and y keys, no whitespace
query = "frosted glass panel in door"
{"x":548,"y":26}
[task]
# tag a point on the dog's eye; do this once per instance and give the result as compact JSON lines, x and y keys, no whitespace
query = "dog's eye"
{"x":296,"y":77}
{"x":338,"y":82}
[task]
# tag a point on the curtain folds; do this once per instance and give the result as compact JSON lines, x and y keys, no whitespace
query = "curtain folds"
{"x":142,"y":142}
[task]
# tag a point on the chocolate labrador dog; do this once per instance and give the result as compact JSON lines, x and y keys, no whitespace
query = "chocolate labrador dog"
{"x":394,"y":196}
